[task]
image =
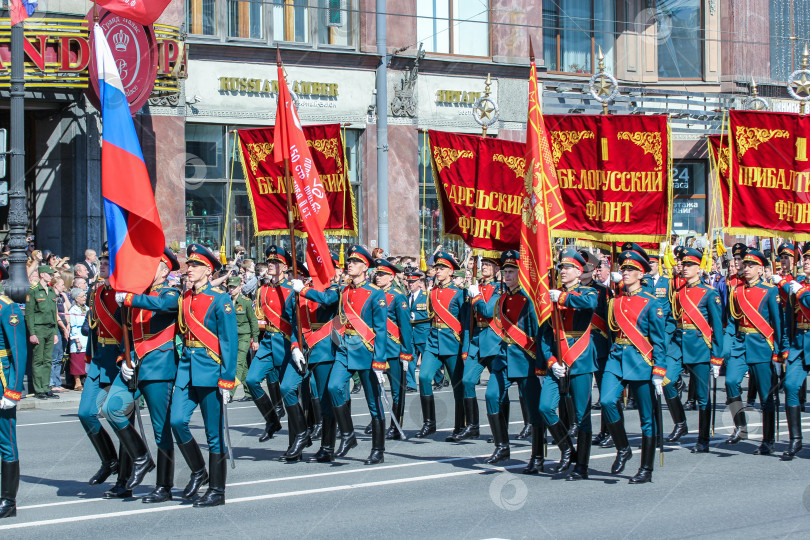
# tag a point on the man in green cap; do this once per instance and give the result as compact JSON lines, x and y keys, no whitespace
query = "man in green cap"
{"x":40,"y":319}
{"x":247,"y":327}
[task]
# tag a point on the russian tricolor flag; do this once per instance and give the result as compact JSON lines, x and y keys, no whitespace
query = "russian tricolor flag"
{"x":134,"y":233}
{"x":21,"y":10}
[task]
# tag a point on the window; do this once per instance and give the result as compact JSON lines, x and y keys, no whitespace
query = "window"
{"x":453,"y":26}
{"x":334,"y":22}
{"x":689,"y":204}
{"x":573,"y":30}
{"x":679,"y":37}
{"x":290,"y":20}
{"x":245,"y":19}
{"x":205,"y":156}
{"x":201,"y":17}
{"x":788,"y":18}
{"x":430,"y":216}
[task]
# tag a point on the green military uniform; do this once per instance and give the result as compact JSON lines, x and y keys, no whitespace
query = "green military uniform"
{"x":40,"y":320}
{"x":247,"y":327}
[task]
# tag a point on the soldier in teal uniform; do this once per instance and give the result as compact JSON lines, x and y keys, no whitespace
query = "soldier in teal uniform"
{"x":360,"y":331}
{"x":274,"y":303}
{"x":40,"y":318}
{"x":420,"y":322}
{"x":153,"y":323}
{"x":576,"y":363}
{"x":399,"y":345}
{"x":205,"y":374}
{"x":444,"y":346}
{"x":515,"y":321}
{"x":14,"y":353}
{"x":755,"y":336}
{"x":697,"y":343}
{"x":103,"y":325}
{"x":797,"y":357}
{"x":637,"y":359}
{"x":484,"y":342}
{"x":318,"y":310}
{"x":247,"y":327}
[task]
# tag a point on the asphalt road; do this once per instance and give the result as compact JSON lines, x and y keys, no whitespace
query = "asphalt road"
{"x":426,"y":488}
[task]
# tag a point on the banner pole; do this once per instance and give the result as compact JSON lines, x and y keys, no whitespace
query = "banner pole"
{"x":290,"y":224}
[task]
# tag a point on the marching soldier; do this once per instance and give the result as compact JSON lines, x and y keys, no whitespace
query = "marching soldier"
{"x":420,"y":322}
{"x":755,"y":331}
{"x":205,"y":374}
{"x":362,"y":316}
{"x":106,"y":334}
{"x":444,"y":345}
{"x":571,"y":355}
{"x":516,"y":324}
{"x":637,"y":358}
{"x":40,"y":318}
{"x":247,"y":328}
{"x":14,"y":352}
{"x":274,"y":304}
{"x":697,"y":344}
{"x":153,"y":317}
{"x":484,"y":342}
{"x":318,"y":310}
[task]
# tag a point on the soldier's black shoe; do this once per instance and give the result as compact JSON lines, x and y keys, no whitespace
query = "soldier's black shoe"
{"x":326,"y":453}
{"x":315,"y":421}
{"x":458,"y":423}
{"x":678,"y":417}
{"x":702,"y":444}
{"x":560,"y":436}
{"x":794,"y":420}
{"x":580,"y":471}
{"x":631,"y":404}
{"x":194,"y":459}
{"x":367,"y":431}
{"x":525,"y":433}
{"x":473,"y":429}
{"x":535,"y":464}
{"x":623,"y":453}
{"x":106,"y":451}
{"x":270,"y":415}
{"x":599,"y":438}
{"x":377,"y":442}
{"x":607,"y":442}
{"x":298,"y":429}
{"x":498,"y":427}
{"x":8,"y":488}
{"x":348,"y":440}
{"x":690,"y":405}
{"x":246,"y":397}
{"x":215,"y":495}
{"x":738,"y":414}
{"x":165,"y":478}
{"x":119,"y":490}
{"x":644,"y":473}
{"x":142,"y":463}
{"x":768,"y":426}
{"x":429,"y":417}
{"x":51,"y":395}
{"x":316,"y":432}
{"x":355,"y":389}
{"x":392,"y":434}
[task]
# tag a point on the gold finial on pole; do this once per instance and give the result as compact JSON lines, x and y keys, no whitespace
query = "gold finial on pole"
{"x":603,"y":85}
{"x":485,"y":109}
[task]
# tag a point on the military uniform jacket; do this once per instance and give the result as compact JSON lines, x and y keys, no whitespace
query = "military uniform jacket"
{"x":211,"y":344}
{"x":247,"y":325}
{"x":153,"y":319}
{"x":40,"y":310}
{"x":638,"y":324}
{"x":400,"y":337}
{"x":799,"y":317}
{"x":600,"y":332}
{"x":420,"y":318}
{"x":786,"y":304}
{"x":576,"y":307}
{"x":485,"y":342}
{"x":755,"y":328}
{"x":361,"y":326}
{"x":660,"y":289}
{"x":106,"y":335}
{"x":318,"y":310}
{"x":516,"y":324}
{"x":275,"y":304}
{"x":696,"y":325}
{"x":449,"y":318}
{"x":13,"y":348}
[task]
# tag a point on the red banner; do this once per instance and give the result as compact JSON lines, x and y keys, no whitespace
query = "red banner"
{"x":267,"y":188}
{"x":615,"y":176}
{"x":480,"y":185}
{"x":720,"y":156}
{"x":770,"y":181}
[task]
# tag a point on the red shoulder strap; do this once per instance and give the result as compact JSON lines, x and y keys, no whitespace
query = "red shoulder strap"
{"x":689,"y":298}
{"x":628,"y":325}
{"x":195,"y":327}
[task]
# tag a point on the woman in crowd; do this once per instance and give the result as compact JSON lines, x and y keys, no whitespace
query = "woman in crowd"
{"x":62,"y":307}
{"x":78,"y":342}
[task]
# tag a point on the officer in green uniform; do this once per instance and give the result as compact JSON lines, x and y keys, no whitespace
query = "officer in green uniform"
{"x":40,"y":319}
{"x":247,"y":326}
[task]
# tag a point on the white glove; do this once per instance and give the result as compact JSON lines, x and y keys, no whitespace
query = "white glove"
{"x":126,"y":371}
{"x":225,"y":395}
{"x":298,"y":358}
{"x":794,"y":287}
{"x":776,"y":278}
{"x":615,"y":277}
{"x":405,"y":366}
{"x":554,"y":294}
{"x":297,"y":285}
{"x":380,"y":376}
{"x":7,"y":403}
{"x":558,"y":369}
{"x":715,"y":371}
{"x":658,"y":382}
{"x":119,"y":298}
{"x":473,"y":290}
